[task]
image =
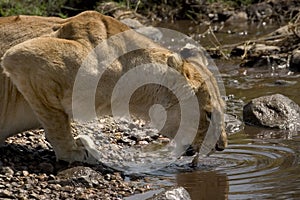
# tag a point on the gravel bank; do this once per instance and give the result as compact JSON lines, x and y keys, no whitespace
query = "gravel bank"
{"x":28,"y":167}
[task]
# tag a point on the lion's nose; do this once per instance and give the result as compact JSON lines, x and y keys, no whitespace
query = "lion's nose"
{"x":219,"y":147}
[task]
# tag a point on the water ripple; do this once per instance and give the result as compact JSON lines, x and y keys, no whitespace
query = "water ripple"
{"x":257,"y":170}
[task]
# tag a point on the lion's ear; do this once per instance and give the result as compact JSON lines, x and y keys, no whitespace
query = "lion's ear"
{"x":175,"y":61}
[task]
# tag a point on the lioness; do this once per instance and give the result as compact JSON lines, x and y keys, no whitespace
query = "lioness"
{"x":41,"y":57}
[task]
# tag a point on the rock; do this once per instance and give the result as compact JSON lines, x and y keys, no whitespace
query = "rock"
{"x":274,"y":111}
{"x":190,"y":51}
{"x":7,"y":171}
{"x":151,"y":32}
{"x":284,"y":82}
{"x":25,"y":173}
{"x":295,"y":61}
{"x":82,"y":176}
{"x":233,"y":124}
{"x":178,"y":193}
{"x":6,"y":194}
{"x":132,"y":23}
{"x":148,"y":31}
{"x":238,"y":17}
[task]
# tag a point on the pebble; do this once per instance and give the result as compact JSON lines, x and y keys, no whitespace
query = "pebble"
{"x":7,"y":171}
{"x":6,"y":194}
{"x":25,"y":173}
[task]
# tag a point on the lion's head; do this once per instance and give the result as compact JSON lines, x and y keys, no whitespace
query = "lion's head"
{"x":211,"y":105}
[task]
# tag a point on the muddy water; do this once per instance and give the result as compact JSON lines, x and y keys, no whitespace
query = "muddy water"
{"x":259,"y":163}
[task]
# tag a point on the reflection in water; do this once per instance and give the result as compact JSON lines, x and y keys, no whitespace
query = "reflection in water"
{"x":204,"y":184}
{"x":262,"y":165}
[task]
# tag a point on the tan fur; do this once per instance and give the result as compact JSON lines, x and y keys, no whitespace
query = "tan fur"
{"x":42,"y":57}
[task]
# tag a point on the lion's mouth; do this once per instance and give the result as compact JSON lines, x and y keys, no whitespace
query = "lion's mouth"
{"x":190,"y":151}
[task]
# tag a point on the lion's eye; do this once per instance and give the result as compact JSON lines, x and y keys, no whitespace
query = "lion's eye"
{"x":208,"y":115}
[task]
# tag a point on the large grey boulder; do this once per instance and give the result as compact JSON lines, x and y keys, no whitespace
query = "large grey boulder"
{"x":274,"y":111}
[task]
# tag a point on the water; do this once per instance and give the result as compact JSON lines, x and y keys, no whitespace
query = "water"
{"x":259,"y":163}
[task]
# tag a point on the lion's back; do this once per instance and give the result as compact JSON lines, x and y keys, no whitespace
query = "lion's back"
{"x":17,"y":29}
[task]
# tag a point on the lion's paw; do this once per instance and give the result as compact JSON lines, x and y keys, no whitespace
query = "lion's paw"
{"x":84,"y":152}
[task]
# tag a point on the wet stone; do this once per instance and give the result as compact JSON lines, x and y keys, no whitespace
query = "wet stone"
{"x":274,"y":111}
{"x":173,"y":194}
{"x":284,"y":82}
{"x":232,"y":124}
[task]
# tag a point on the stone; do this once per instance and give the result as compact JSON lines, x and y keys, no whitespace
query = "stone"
{"x":79,"y":176}
{"x":25,"y":173}
{"x":7,"y":171}
{"x":273,"y":111}
{"x":6,"y":194}
{"x":192,"y":51}
{"x":177,"y":193}
{"x":284,"y":83}
{"x":148,"y":31}
{"x":232,"y":124}
{"x":132,"y":23}
{"x":151,"y":32}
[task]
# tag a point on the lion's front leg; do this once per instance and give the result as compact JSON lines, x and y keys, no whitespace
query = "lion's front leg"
{"x":57,"y":128}
{"x":66,"y":148}
{"x":42,"y":83}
